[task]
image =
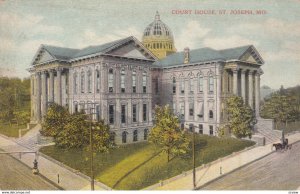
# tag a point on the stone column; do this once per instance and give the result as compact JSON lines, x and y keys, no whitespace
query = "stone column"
{"x":219,"y":94}
{"x":58,"y":86}
{"x":243,"y":84}
{"x":38,"y":96}
{"x":257,"y":92}
{"x":235,"y":81}
{"x":250,"y":96}
{"x":150,"y":111}
{"x":51,"y":85}
{"x":44,"y":93}
{"x":32,"y":106}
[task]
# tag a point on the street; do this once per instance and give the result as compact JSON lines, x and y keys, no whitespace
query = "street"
{"x":16,"y":176}
{"x":278,"y":171}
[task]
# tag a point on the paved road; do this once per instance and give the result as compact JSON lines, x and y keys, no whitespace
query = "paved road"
{"x":17,"y":176}
{"x":278,"y":171}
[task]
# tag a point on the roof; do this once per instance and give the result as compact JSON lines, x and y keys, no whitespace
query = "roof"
{"x":66,"y":54}
{"x":60,"y":52}
{"x":204,"y":55}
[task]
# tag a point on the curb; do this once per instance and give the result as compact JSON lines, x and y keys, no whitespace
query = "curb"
{"x":223,"y":175}
{"x":40,"y":175}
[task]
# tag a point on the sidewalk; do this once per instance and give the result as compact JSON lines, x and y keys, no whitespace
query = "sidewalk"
{"x":221,"y":167}
{"x":68,"y":180}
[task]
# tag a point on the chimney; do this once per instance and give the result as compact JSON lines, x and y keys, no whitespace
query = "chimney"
{"x":186,"y":55}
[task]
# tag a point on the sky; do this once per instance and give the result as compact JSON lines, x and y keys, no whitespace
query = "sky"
{"x":275,"y":32}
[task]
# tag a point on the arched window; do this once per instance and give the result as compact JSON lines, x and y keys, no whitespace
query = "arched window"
{"x":146,"y":131}
{"x":75,"y":82}
{"x":124,"y":137}
{"x":123,"y":80}
{"x":82,"y":81}
{"x":111,"y":81}
{"x":144,"y":82}
{"x":174,"y":85}
{"x":89,"y":78}
{"x":133,"y":81}
{"x":97,"y":81}
{"x":211,"y":83}
{"x":135,"y":135}
{"x":200,"y":82}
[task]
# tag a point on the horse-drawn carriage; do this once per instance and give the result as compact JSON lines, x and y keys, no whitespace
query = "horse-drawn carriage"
{"x":282,"y":146}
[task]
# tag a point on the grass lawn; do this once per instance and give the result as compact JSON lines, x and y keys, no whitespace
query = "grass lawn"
{"x":140,"y":165}
{"x":11,"y":131}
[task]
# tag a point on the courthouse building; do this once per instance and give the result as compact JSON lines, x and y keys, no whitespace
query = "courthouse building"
{"x":123,"y":80}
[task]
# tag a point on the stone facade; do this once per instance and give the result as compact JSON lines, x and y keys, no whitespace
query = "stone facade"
{"x":122,"y":81}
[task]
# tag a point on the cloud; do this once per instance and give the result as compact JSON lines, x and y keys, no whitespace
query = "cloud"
{"x":90,"y":37}
{"x":228,"y":42}
{"x":191,"y":36}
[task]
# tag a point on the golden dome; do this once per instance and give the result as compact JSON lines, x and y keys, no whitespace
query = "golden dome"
{"x":158,"y":38}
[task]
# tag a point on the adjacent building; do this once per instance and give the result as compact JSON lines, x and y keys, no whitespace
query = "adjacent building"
{"x":122,"y":81}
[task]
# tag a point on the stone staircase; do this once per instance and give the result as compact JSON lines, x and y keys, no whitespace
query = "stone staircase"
{"x":33,"y":139}
{"x":266,"y":130}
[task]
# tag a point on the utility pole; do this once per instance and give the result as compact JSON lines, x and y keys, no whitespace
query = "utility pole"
{"x":194,"y":160}
{"x":91,"y":152}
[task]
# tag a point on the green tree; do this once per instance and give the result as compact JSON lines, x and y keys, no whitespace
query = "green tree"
{"x":281,"y":108}
{"x":22,"y":117}
{"x":101,"y":137}
{"x":241,"y":118}
{"x":166,"y":133}
{"x":55,"y":120}
{"x":14,"y":97}
{"x":74,"y":133}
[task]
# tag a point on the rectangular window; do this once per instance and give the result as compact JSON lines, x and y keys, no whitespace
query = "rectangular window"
{"x":110,"y":81}
{"x":174,"y":85}
{"x":67,"y":85}
{"x":144,"y":112}
{"x":144,"y":82}
{"x":211,"y":83}
{"x":200,"y":128}
{"x":191,"y":86}
{"x":134,"y":82}
{"x":174,"y":108}
{"x":111,"y":114}
{"x":123,"y":114}
{"x":134,"y":111}
{"x":122,"y":81}
{"x":191,"y":128}
{"x":200,"y":84}
{"x":191,"y":109}
{"x":211,"y":130}
{"x":98,"y":113}
{"x":182,"y":109}
{"x":182,"y":86}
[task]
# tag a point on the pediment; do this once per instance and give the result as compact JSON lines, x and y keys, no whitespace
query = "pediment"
{"x":42,"y":56}
{"x":129,"y":50}
{"x":252,"y":56}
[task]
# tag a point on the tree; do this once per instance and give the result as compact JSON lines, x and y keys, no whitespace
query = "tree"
{"x":241,"y":118}
{"x":167,"y":134}
{"x":101,"y":137}
{"x":281,"y":108}
{"x":73,"y":133}
{"x":55,"y":120}
{"x":73,"y":130}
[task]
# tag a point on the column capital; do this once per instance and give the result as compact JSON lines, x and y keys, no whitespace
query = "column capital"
{"x":58,"y":69}
{"x":259,"y":72}
{"x":243,"y":71}
{"x":235,"y":69}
